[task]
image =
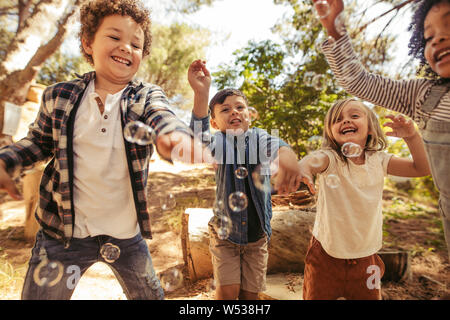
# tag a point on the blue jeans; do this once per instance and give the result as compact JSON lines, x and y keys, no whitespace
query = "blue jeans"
{"x":133,"y":268}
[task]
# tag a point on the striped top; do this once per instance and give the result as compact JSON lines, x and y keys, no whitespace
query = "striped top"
{"x":404,"y":96}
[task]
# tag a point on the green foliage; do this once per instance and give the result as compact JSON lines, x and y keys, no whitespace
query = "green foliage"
{"x":276,"y":77}
{"x":174,"y":48}
{"x":61,"y":67}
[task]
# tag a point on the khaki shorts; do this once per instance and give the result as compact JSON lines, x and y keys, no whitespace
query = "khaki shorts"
{"x":329,"y":278}
{"x":239,"y":264}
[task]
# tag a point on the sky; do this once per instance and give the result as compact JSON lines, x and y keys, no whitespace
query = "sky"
{"x":234,"y":22}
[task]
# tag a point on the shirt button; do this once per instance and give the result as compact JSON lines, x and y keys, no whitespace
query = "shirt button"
{"x":106,"y":117}
{"x":103,"y":130}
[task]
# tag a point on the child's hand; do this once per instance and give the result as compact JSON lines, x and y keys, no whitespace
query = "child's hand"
{"x":199,"y":77}
{"x":179,"y":146}
{"x":6,"y":183}
{"x":287,"y":178}
{"x":401,"y":127}
{"x":336,"y":7}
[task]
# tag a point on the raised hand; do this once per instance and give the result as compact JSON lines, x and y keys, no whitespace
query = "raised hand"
{"x":401,"y":127}
{"x":336,"y":7}
{"x":199,"y":77}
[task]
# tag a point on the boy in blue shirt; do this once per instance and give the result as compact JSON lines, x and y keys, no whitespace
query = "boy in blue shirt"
{"x":240,"y":255}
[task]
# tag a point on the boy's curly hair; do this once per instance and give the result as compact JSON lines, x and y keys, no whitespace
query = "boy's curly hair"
{"x":92,"y":13}
{"x":417,"y":41}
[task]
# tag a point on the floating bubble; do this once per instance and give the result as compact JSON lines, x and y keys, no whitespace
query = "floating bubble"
{"x":167,"y":202}
{"x":351,"y":150}
{"x":314,"y":161}
{"x":237,"y":201}
{"x":319,"y":82}
{"x":254,"y":115}
{"x":322,"y":9}
{"x":261,"y":177}
{"x":138,"y":132}
{"x":332,"y":181}
{"x":241,"y":173}
{"x":48,"y":273}
{"x":110,"y":252}
{"x":223,"y":226}
{"x":172,"y":280}
{"x":331,"y":42}
{"x":339,"y":23}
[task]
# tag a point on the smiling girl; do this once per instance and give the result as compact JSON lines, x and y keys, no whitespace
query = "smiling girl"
{"x":426,"y":100}
{"x":347,"y":231}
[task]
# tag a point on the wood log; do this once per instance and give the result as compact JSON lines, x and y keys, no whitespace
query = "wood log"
{"x":291,"y":232}
{"x":397,"y":265}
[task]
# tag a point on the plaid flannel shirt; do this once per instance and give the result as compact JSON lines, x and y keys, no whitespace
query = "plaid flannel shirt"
{"x":50,"y":139}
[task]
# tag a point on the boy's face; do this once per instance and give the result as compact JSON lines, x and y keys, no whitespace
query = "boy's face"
{"x":116,"y":49}
{"x":232,"y":114}
{"x":437,"y":39}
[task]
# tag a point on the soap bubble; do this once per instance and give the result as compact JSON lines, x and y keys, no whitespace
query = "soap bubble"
{"x":351,"y":150}
{"x":339,"y":23}
{"x":172,"y":280}
{"x":241,"y":173}
{"x":110,"y":252}
{"x":254,"y":115}
{"x":48,"y":273}
{"x":223,"y":226}
{"x":237,"y":201}
{"x":319,"y":82}
{"x":322,"y":9}
{"x":261,"y":177}
{"x":332,"y":181}
{"x":167,"y":201}
{"x":138,"y":132}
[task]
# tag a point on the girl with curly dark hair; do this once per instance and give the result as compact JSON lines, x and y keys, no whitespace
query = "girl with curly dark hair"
{"x":425,"y":99}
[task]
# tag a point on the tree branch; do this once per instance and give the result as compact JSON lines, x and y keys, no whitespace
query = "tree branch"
{"x":397,"y":7}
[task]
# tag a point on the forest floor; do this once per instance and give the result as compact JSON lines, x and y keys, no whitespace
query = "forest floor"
{"x":408,"y":226}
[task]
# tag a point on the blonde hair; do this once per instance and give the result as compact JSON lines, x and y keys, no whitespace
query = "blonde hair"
{"x":376,"y":139}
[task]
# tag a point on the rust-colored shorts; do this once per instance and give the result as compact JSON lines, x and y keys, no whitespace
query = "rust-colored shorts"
{"x":239,"y":264}
{"x":329,"y":278}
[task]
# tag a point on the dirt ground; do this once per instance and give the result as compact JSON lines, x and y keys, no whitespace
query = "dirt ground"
{"x":195,"y":186}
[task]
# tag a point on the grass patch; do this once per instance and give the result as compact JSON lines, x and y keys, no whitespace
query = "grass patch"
{"x":11,"y":278}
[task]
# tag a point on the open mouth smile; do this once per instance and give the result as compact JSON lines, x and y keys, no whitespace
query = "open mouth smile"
{"x":440,"y":54}
{"x":121,"y":60}
{"x":348,"y":131}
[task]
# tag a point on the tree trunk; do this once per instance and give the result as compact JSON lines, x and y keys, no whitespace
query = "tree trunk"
{"x":397,"y":265}
{"x":291,"y":232}
{"x":30,"y":48}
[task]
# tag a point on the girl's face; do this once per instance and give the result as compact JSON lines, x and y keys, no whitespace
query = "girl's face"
{"x":437,"y":39}
{"x":352,"y":125}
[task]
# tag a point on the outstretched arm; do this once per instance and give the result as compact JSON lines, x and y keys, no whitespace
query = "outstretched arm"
{"x":418,"y":166}
{"x":312,"y":164}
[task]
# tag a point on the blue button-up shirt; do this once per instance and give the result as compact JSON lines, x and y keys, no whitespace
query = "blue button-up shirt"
{"x":254,"y":149}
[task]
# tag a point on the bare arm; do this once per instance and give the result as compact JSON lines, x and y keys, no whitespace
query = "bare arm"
{"x":418,"y":166}
{"x":312,"y":164}
{"x":200,"y":81}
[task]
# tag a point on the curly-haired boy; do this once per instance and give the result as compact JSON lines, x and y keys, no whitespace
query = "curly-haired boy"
{"x":92,"y":204}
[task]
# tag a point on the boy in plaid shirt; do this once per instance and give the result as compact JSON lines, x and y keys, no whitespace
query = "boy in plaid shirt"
{"x":92,"y":204}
